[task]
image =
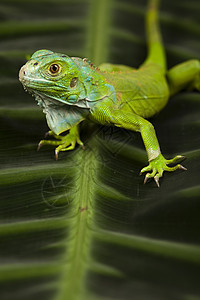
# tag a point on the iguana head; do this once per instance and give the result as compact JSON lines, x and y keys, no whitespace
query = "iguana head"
{"x":53,"y":78}
{"x":52,"y":75}
{"x":65,"y":87}
{"x":70,"y":80}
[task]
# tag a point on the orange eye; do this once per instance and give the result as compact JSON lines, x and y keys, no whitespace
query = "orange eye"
{"x":54,"y":69}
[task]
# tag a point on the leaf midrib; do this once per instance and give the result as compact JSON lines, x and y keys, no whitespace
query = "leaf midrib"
{"x":79,"y":240}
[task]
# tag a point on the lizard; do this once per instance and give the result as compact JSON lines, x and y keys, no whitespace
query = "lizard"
{"x":71,"y":90}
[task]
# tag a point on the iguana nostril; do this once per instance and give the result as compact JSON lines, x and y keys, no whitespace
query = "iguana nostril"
{"x":22,"y":73}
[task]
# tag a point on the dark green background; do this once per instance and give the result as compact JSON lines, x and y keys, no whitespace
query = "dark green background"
{"x":85,"y":226}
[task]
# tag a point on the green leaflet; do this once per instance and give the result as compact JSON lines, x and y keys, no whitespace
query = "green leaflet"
{"x":85,"y":227}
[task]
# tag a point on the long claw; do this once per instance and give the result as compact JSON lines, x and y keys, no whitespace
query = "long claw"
{"x":180,"y":157}
{"x":146,"y":178}
{"x":156,"y":178}
{"x":46,"y":134}
{"x":39,"y":146}
{"x":56,"y":154}
{"x":51,"y":133}
{"x":182,"y":167}
{"x":175,"y":159}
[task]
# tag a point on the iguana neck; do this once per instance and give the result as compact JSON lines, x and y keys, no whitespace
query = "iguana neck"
{"x":95,"y":85}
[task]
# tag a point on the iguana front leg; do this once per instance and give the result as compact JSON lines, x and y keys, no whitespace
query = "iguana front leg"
{"x":63,"y":143}
{"x":157,"y":163}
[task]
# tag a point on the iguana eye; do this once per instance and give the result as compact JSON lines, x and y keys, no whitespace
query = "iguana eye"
{"x":54,"y":69}
{"x":73,"y":82}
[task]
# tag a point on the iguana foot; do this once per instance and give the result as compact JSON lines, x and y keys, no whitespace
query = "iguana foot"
{"x":63,"y":143}
{"x":159,"y":165}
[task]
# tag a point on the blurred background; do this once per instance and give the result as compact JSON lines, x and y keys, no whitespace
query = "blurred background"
{"x":85,"y":226}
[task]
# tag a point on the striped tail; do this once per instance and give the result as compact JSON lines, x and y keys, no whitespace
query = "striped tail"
{"x":156,"y":52}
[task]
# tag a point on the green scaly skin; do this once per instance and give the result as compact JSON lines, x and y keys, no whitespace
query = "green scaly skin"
{"x":71,"y":89}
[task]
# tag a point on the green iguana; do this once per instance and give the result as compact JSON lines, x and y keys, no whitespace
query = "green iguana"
{"x":71,"y":89}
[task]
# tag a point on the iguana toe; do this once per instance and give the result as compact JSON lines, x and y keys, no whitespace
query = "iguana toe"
{"x":63,"y":143}
{"x":159,"y":165}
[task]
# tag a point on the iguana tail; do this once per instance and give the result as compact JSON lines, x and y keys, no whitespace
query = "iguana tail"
{"x":156,"y":52}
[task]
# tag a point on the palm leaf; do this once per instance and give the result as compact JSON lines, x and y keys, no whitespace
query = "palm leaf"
{"x":85,"y":227}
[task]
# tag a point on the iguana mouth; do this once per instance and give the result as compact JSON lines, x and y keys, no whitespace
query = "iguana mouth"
{"x":40,"y":84}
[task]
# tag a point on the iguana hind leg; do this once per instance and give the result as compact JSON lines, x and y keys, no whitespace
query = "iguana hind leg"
{"x":184,"y":76}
